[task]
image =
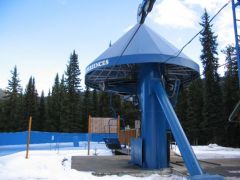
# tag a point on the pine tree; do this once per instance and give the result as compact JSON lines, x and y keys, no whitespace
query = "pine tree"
{"x":195,"y":110}
{"x":64,"y":125}
{"x":230,"y":93}
{"x":42,"y":113}
{"x":94,"y":103}
{"x":104,"y":107}
{"x":86,"y":108}
{"x":55,"y":106}
{"x":231,"y":96}
{"x":115,"y":105}
{"x":1,"y":116}
{"x":182,"y":109}
{"x":30,"y":105}
{"x":129,"y":113}
{"x":212,"y":112}
{"x":11,"y":110}
{"x":48,"y":124}
{"x":21,"y":113}
{"x":73,"y":88}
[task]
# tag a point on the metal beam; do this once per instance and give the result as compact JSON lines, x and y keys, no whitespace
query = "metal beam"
{"x":234,"y":6}
{"x":187,"y":153}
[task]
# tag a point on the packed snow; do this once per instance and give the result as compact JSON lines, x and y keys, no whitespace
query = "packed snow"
{"x":212,"y":151}
{"x":54,"y":163}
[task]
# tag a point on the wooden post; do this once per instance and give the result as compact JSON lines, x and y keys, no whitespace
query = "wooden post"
{"x":89,"y":133}
{"x":29,"y":135}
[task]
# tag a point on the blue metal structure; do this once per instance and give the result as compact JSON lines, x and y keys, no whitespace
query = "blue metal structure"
{"x":144,"y":8}
{"x":146,"y":66}
{"x":135,"y":65}
{"x":236,"y":25}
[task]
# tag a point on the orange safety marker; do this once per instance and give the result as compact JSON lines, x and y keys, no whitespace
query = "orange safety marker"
{"x":29,"y":135}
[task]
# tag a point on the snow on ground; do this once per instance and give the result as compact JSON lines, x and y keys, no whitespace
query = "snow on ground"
{"x":212,"y":151}
{"x":54,"y":163}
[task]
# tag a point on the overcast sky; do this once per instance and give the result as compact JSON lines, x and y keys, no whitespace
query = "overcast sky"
{"x":38,"y":36}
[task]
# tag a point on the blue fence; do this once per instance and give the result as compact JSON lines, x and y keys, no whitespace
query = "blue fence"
{"x":49,"y":137}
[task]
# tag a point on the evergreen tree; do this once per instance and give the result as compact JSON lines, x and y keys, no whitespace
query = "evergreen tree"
{"x":231,"y":97}
{"x":30,"y":105}
{"x":104,"y":110}
{"x":1,"y":117}
{"x":181,"y":110}
{"x":212,"y":112}
{"x":86,"y":108}
{"x":21,"y":112}
{"x":129,"y":113}
{"x":48,"y":123}
{"x":94,"y":103}
{"x":73,"y":88}
{"x":55,"y":106}
{"x":115,"y":105}
{"x":195,"y":110}
{"x":230,"y":87}
{"x":42,"y":113}
{"x":63,"y":106}
{"x":12,"y":101}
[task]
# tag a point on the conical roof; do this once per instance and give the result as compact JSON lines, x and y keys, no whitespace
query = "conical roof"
{"x":118,"y":64}
{"x":145,"y":41}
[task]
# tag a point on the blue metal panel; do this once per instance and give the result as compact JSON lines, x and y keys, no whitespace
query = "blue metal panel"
{"x":136,"y":151}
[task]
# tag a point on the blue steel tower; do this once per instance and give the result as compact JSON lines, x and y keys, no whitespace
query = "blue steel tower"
{"x":143,"y":64}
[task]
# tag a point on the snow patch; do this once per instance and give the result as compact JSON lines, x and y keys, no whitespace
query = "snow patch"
{"x":212,"y":151}
{"x":56,"y":165}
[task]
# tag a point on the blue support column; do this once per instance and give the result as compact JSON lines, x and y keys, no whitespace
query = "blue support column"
{"x":178,"y":133}
{"x":157,"y":115}
{"x":153,"y":122}
{"x":237,"y":36}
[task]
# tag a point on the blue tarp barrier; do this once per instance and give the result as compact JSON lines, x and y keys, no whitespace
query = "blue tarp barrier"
{"x":38,"y":137}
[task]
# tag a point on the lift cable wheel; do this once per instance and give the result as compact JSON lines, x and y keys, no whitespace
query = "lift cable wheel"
{"x":143,"y":9}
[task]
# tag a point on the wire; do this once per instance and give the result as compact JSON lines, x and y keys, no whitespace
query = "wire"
{"x":113,"y":66}
{"x":139,"y":25}
{"x":220,"y":66}
{"x":225,"y":5}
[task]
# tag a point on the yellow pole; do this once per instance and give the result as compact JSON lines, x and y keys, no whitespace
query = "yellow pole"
{"x":29,"y":135}
{"x":89,"y":133}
